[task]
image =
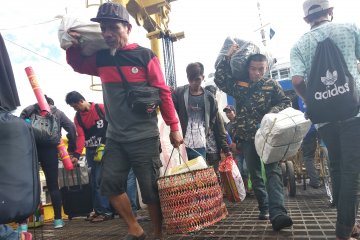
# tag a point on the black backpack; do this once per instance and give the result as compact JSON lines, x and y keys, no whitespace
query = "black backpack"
{"x":46,"y":128}
{"x":331,"y":93}
{"x":19,"y":169}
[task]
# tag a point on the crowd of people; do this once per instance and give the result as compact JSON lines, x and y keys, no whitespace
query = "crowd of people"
{"x":116,"y":125}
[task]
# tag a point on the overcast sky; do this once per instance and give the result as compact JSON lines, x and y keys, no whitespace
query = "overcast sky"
{"x":30,"y":31}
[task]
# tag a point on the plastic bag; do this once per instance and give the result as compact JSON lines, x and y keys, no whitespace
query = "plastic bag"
{"x":232,"y":180}
{"x":91,"y":38}
{"x":166,"y":147}
{"x":99,"y":153}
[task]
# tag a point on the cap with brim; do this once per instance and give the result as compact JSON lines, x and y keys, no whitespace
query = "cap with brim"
{"x":309,"y":6}
{"x":229,"y":107}
{"x":111,"y":11}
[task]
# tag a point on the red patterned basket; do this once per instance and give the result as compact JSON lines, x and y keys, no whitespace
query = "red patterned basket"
{"x":191,"y":201}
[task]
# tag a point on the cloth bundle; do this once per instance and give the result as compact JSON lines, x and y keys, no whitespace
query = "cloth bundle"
{"x":91,"y":39}
{"x":280,"y":135}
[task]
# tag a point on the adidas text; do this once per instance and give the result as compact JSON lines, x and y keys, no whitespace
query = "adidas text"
{"x":332,"y":92}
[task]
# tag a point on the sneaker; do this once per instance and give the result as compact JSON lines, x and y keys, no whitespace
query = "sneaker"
{"x":281,"y":221}
{"x":22,"y":228}
{"x":264,"y":216}
{"x":59,"y":223}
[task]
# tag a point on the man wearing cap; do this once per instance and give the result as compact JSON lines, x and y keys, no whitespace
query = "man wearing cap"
{"x":255,"y":97}
{"x":132,"y":139}
{"x":341,"y":138}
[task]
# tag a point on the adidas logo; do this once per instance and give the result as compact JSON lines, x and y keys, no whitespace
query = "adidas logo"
{"x":329,"y":80}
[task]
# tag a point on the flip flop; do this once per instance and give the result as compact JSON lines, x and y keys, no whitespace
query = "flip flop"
{"x":101,"y":218}
{"x":90,"y":217}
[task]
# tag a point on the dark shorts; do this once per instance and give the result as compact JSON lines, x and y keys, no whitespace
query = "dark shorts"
{"x":143,"y":156}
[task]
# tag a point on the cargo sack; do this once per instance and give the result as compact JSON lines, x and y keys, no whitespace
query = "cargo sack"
{"x":238,"y":62}
{"x":280,"y":135}
{"x":331,"y":93}
{"x":91,"y":39}
{"x":46,"y":128}
{"x":19,"y":170}
{"x":191,"y":201}
{"x":231,"y":179}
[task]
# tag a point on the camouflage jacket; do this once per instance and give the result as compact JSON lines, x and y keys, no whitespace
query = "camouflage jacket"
{"x":253,"y":100}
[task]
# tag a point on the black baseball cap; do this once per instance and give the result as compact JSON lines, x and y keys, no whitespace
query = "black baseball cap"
{"x":229,"y":107}
{"x":111,"y":11}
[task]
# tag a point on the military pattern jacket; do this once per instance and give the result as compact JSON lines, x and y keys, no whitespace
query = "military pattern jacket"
{"x":253,"y":100}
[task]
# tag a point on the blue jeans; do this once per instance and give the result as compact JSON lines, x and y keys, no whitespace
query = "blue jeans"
{"x":309,"y":147}
{"x":194,"y":154}
{"x":101,"y":204}
{"x":7,"y":233}
{"x":270,"y":198}
{"x":241,"y":163}
{"x":131,"y":191}
{"x":342,"y":140}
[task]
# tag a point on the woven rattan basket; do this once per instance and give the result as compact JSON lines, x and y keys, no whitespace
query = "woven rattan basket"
{"x":191,"y":201}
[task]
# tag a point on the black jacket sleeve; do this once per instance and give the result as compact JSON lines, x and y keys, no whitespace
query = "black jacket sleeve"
{"x":69,"y":127}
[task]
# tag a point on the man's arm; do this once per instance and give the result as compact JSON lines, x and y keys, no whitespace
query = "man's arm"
{"x":156,"y":79}
{"x":69,"y":127}
{"x":80,"y":63}
{"x":223,"y":77}
{"x":298,"y":70}
{"x":299,"y":86}
{"x":279,"y":100}
{"x":220,"y":134}
{"x":80,"y":141}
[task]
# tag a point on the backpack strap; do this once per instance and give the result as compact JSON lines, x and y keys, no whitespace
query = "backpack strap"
{"x":80,"y":121}
{"x":99,"y":112}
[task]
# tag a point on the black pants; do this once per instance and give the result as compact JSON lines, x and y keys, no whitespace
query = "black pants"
{"x":48,"y":158}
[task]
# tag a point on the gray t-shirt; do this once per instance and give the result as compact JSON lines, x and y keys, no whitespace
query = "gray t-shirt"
{"x":195,"y":132}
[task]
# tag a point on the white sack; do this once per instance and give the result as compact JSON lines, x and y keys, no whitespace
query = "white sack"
{"x":91,"y":38}
{"x":280,"y":135}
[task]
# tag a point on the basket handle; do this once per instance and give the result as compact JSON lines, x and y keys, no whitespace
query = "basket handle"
{"x":181,"y":158}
